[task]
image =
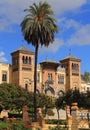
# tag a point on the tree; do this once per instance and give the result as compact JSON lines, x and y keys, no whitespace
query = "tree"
{"x":12,"y":97}
{"x":75,"y":96}
{"x":45,"y":102}
{"x":87,"y":100}
{"x":38,"y":28}
{"x":8,"y":93}
{"x":86,"y":76}
{"x":60,"y":104}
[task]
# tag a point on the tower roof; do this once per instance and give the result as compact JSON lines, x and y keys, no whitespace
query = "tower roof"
{"x":49,"y":61}
{"x":70,"y":57}
{"x":23,"y":49}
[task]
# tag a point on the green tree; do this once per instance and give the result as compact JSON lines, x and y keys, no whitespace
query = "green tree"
{"x":38,"y":28}
{"x":7,"y":93}
{"x":87,"y":100}
{"x":46,"y":102}
{"x":12,"y":97}
{"x":60,"y":104}
{"x":86,"y":76}
{"x":75,"y":96}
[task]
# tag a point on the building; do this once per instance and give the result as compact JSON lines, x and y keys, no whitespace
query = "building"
{"x":53,"y":78}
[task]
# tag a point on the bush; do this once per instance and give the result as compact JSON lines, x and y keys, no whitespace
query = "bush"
{"x":4,"y":125}
{"x":57,"y":128}
{"x":16,"y":115}
{"x":55,"y":121}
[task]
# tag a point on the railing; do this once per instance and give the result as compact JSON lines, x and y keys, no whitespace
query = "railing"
{"x":84,"y":117}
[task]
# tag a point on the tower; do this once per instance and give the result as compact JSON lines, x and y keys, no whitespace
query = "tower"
{"x":22,"y":67}
{"x":72,"y":67}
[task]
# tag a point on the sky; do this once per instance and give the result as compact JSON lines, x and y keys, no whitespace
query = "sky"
{"x":73,"y":21}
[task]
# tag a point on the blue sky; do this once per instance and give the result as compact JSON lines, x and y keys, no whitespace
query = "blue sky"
{"x":73,"y":20}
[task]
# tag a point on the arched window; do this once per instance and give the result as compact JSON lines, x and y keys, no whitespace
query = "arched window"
{"x":26,"y":60}
{"x":16,"y":61}
{"x":29,"y":61}
{"x":26,"y":85}
{"x":23,"y":60}
{"x":74,"y":66}
{"x":50,"y":91}
{"x":61,"y":93}
{"x":60,"y":79}
{"x":37,"y":91}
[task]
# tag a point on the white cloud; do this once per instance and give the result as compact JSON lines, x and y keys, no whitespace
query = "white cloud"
{"x":1,"y":54}
{"x":66,"y":24}
{"x":11,"y":11}
{"x":77,"y":33}
{"x":81,"y":36}
{"x":53,"y":47}
{"x":2,"y":57}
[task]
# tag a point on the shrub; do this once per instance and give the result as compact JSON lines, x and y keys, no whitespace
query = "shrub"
{"x":57,"y":128}
{"x":55,"y":121}
{"x":16,"y":115}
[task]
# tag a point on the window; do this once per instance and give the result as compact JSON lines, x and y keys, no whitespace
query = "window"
{"x":49,"y":76}
{"x":23,"y":60}
{"x":26,"y":85}
{"x":29,"y":61}
{"x":26,"y":60}
{"x":60,"y":79}
{"x":74,"y":66}
{"x":16,"y":62}
{"x":4,"y":77}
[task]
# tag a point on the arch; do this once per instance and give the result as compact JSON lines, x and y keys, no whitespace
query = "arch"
{"x":61,"y":92}
{"x":26,"y":85}
{"x":26,"y":60}
{"x":37,"y":91}
{"x":29,"y":60}
{"x":23,"y":60}
{"x":75,"y":66}
{"x":50,"y":91}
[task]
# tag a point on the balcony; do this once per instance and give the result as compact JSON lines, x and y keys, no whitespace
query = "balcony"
{"x":49,"y":82}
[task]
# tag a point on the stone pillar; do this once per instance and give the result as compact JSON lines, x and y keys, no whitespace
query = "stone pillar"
{"x":26,"y":119}
{"x":74,"y":110}
{"x":40,"y":118}
{"x":68,"y":118}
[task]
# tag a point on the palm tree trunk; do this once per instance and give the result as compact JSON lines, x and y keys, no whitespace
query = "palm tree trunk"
{"x":35,"y":83}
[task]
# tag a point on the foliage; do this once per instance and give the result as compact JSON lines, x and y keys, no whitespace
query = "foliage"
{"x":7,"y":93}
{"x":4,"y":125}
{"x":50,"y":112}
{"x":75,"y":96}
{"x":45,"y":101}
{"x":86,"y":76}
{"x":59,"y":103}
{"x":13,"y":124}
{"x":57,"y":128}
{"x":38,"y":26}
{"x":87,"y":102}
{"x":12,"y":97}
{"x":55,"y":121}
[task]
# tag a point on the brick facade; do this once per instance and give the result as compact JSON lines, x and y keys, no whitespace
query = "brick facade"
{"x":53,"y":77}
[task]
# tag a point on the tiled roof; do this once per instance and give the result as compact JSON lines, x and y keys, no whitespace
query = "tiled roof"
{"x":22,"y":48}
{"x":49,"y":61}
{"x":71,"y":57}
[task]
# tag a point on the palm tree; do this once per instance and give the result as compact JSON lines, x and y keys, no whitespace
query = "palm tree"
{"x":38,"y":28}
